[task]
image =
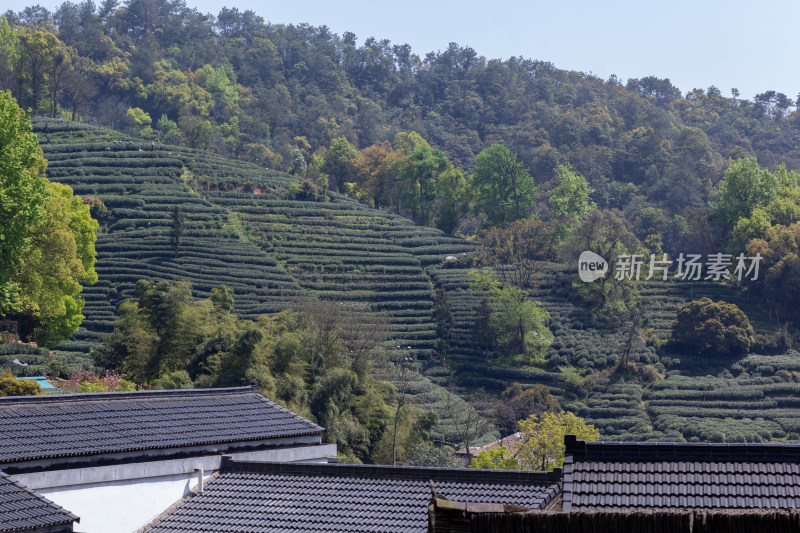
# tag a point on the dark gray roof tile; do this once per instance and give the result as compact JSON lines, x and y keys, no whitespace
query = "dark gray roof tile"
{"x":21,"y":508}
{"x":252,"y":497}
{"x":36,"y":427}
{"x":646,"y":475}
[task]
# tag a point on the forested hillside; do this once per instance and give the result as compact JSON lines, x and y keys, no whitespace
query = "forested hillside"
{"x":264,"y":92}
{"x":327,"y":218}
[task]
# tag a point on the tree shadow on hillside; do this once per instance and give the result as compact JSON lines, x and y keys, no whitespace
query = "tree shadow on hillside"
{"x":675,"y":357}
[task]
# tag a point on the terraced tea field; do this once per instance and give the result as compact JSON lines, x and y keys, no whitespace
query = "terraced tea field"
{"x":141,"y":186}
{"x":342,"y":252}
{"x":271,"y":249}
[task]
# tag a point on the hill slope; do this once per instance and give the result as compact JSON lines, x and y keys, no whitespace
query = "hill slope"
{"x":276,"y":244}
{"x":246,"y":228}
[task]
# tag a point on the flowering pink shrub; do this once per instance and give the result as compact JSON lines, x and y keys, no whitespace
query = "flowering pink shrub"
{"x":86,"y":380}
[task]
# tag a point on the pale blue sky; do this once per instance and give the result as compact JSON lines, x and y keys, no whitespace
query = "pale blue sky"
{"x":750,"y":45}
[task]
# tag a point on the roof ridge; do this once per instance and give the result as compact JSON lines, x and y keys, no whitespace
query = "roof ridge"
{"x":172,"y":419}
{"x":707,"y":451}
{"x":124,"y":395}
{"x":288,"y":411}
{"x":397,"y":501}
{"x":230,"y":465}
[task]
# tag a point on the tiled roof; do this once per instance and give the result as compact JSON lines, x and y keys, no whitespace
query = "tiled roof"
{"x":256,"y":497}
{"x":22,"y":509}
{"x":629,"y":475}
{"x":36,"y":427}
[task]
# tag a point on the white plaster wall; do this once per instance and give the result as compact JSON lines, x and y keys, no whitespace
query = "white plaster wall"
{"x":120,"y":506}
{"x":123,"y":498}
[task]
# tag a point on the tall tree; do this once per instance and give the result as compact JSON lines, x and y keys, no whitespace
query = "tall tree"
{"x":519,"y":323}
{"x":516,"y":250}
{"x":780,"y":267}
{"x":468,"y":423}
{"x":504,"y":190}
{"x":517,"y":403}
{"x":744,"y":187}
{"x":571,"y":197}
{"x":339,"y":162}
{"x":59,"y":73}
{"x":376,"y":175}
{"x":608,"y":234}
{"x":37,"y":54}
{"x":60,"y":260}
{"x":542,"y":445}
{"x":452,"y":193}
{"x":23,"y":194}
{"x":419,"y":180}
{"x":47,"y":236}
{"x":9,"y":52}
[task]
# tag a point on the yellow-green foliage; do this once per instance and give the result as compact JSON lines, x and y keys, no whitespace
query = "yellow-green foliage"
{"x":744,"y":187}
{"x":62,"y":257}
{"x":542,"y":445}
{"x":23,"y":194}
{"x":496,"y":458}
{"x":11,"y":386}
{"x":47,"y":235}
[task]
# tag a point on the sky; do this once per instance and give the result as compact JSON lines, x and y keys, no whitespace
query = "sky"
{"x":747,"y":45}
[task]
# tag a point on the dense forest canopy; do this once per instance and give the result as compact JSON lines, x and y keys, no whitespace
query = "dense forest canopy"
{"x":275,"y":94}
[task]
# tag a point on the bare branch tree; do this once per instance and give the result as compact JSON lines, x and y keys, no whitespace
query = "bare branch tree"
{"x":468,"y":422}
{"x":363,"y":332}
{"x":401,"y":369}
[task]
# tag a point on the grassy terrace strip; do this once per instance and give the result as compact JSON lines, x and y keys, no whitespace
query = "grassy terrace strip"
{"x":429,"y":390}
{"x":40,"y":361}
{"x":753,"y":399}
{"x":618,"y":412}
{"x":577,"y":342}
{"x":341,"y":250}
{"x":462,"y":303}
{"x":758,"y":405}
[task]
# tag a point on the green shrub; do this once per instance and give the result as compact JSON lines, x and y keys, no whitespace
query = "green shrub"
{"x":713,"y":328}
{"x":11,"y":386}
